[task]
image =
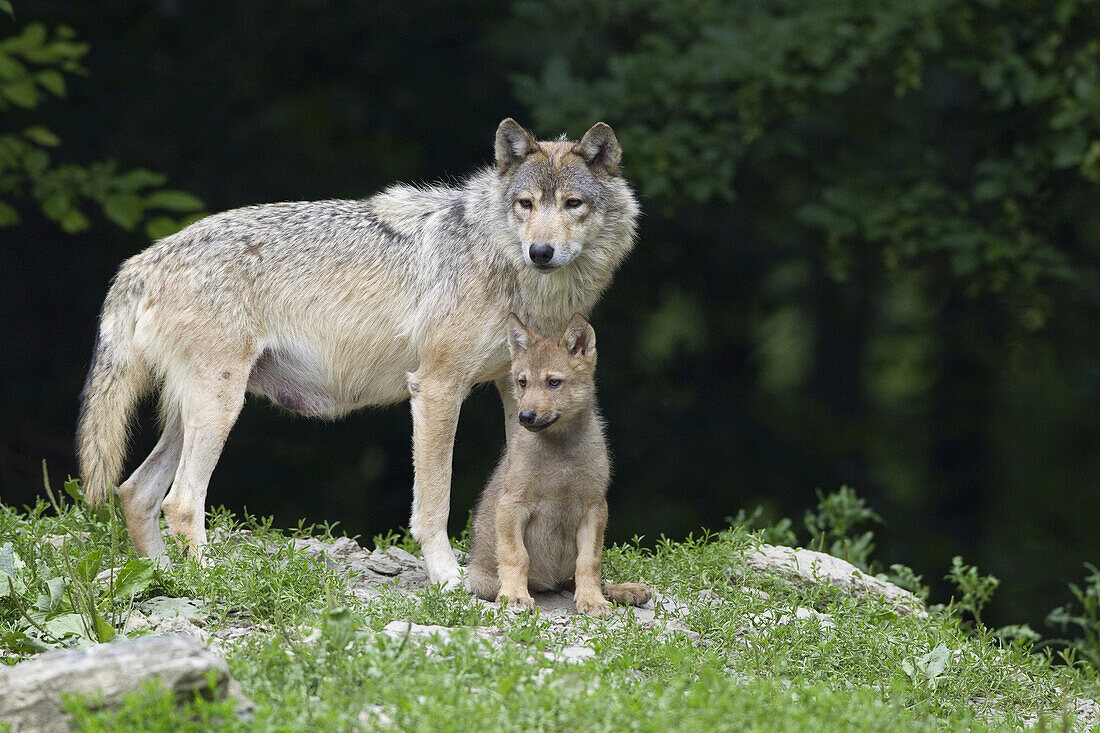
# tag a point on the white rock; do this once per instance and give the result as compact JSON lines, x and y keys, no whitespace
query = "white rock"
{"x":31,"y":692}
{"x":571,"y":654}
{"x":816,"y":568}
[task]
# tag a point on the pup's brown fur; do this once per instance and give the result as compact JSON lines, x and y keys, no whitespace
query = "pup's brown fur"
{"x":539,"y":525}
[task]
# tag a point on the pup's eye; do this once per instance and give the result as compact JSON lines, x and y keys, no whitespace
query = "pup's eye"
{"x":573,"y":203}
{"x":553,"y":383}
{"x":522,"y":383}
{"x":525,"y":203}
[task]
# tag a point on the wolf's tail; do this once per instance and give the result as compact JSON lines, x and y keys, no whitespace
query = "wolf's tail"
{"x":117,"y":379}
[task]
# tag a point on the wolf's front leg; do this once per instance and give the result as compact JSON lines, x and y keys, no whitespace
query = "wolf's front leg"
{"x":513,"y":562}
{"x":508,"y":402}
{"x":588,"y":594}
{"x":435,"y":407}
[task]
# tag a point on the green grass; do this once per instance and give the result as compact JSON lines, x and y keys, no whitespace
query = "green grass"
{"x":321,"y":661}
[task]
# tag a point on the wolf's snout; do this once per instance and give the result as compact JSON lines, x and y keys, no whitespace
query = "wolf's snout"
{"x":527,"y":417}
{"x":541,"y":254}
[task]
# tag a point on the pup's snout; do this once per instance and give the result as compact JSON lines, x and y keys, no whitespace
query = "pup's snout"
{"x":531,"y":420}
{"x":541,"y":254}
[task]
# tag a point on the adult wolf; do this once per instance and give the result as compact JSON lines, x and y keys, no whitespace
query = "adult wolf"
{"x":326,"y":307}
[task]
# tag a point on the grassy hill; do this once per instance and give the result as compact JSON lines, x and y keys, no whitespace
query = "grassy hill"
{"x":326,"y":635}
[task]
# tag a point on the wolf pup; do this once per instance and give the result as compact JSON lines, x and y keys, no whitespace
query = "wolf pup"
{"x":329,"y":306}
{"x":539,"y":524}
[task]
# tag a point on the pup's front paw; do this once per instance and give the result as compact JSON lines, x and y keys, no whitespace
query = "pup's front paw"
{"x":593,"y":604}
{"x":517,"y":599}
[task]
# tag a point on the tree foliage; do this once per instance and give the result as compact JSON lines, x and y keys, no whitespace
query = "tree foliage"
{"x":33,"y":66}
{"x":948,"y":132}
{"x":881,"y":218}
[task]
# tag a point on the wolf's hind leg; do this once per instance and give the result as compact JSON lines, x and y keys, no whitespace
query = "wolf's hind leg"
{"x":209,"y":407}
{"x":141,"y":494}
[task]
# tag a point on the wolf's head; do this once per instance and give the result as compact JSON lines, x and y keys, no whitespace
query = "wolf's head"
{"x":560,"y":193}
{"x":554,"y":379}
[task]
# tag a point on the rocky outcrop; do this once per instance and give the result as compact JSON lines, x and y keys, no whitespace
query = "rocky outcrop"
{"x":31,"y":692}
{"x":807,"y":567}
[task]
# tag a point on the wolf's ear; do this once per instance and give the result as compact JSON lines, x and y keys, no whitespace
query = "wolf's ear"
{"x":600,"y":148}
{"x":519,"y":336}
{"x":580,"y":337}
{"x":513,"y":144}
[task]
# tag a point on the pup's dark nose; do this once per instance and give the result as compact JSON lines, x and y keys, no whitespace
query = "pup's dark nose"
{"x":541,"y":254}
{"x":527,"y":417}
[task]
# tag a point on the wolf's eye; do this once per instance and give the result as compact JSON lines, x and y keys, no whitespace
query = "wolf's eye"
{"x":525,"y":204}
{"x":522,"y":383}
{"x":573,"y":203}
{"x":553,"y":383}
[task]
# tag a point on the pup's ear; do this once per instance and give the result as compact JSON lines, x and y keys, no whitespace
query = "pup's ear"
{"x":580,"y":337}
{"x":601,"y":149}
{"x":519,"y":336}
{"x":513,"y":144}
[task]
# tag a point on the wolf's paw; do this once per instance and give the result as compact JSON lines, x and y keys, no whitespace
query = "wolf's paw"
{"x":593,"y":604}
{"x":518,"y":601}
{"x":443,"y":569}
{"x":628,"y":594}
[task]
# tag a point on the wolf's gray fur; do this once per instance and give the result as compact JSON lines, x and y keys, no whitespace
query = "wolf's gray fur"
{"x":326,"y":307}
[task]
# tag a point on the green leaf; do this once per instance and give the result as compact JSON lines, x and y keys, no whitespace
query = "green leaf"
{"x":74,"y":221}
{"x":72,"y":488}
{"x":52,"y":81}
{"x":1069,"y":149}
{"x":5,"y":5}
{"x":35,"y":162}
{"x":67,"y":624}
{"x":104,"y":632}
{"x":34,"y":35}
{"x":21,"y":93}
{"x":937,"y":661}
{"x":133,"y":578}
{"x":57,"y":205}
{"x":173,"y":201}
{"x":19,"y":642}
{"x":8,"y":215}
{"x":139,"y":178}
{"x":52,"y":600}
{"x":161,"y":226}
{"x":89,"y":566}
{"x":10,"y":68}
{"x":42,"y":136}
{"x":168,"y":607}
{"x":124,"y":209}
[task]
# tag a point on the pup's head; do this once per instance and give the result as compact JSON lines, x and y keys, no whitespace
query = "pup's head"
{"x":553,"y":378}
{"x":558,"y":192}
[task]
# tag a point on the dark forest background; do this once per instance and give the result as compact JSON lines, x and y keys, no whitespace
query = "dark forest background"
{"x":869,"y":254}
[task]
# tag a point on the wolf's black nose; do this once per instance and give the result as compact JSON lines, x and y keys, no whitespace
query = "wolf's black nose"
{"x":541,"y":254}
{"x":527,"y":417}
